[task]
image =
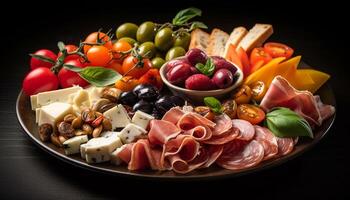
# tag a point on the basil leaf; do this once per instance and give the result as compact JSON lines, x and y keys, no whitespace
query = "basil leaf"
{"x":98,"y":76}
{"x":184,"y":15}
{"x":213,"y":104}
{"x":284,"y":122}
{"x":207,"y":69}
{"x":196,"y":24}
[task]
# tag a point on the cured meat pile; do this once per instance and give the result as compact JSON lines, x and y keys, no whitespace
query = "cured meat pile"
{"x":184,"y":141}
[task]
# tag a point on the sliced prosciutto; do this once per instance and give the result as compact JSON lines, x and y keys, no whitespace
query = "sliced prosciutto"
{"x":285,"y":146}
{"x":162,"y":131}
{"x":228,"y":136}
{"x":246,"y":129}
{"x":173,"y":115}
{"x":250,"y":155}
{"x":186,"y":147}
{"x":200,"y":133}
{"x":268,"y":140}
{"x":181,"y":166}
{"x":223,"y":124}
{"x":282,"y":94}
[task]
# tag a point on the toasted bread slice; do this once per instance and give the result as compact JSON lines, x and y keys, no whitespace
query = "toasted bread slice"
{"x":256,"y":36}
{"x":235,"y":38}
{"x":217,"y":42}
{"x":199,"y":39}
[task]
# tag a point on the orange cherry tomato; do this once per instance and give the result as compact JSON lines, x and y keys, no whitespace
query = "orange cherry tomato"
{"x":126,"y":83}
{"x":259,"y":54}
{"x":250,"y":113}
{"x":116,"y":66}
{"x":99,"y":56}
{"x":132,"y":67}
{"x":120,"y":46}
{"x":242,"y":94}
{"x":258,"y":90}
{"x":152,"y":77}
{"x":92,"y":38}
{"x":278,"y":50}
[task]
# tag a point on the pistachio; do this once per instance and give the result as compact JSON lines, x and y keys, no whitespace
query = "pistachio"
{"x":106,"y":124}
{"x":97,"y":121}
{"x":98,"y":104}
{"x":69,"y":118}
{"x":79,"y":132}
{"x":77,"y":122}
{"x":55,"y":140}
{"x":111,"y":94}
{"x":87,"y":129}
{"x":97,"y":131}
{"x":202,"y":110}
{"x":45,"y":131}
{"x":66,"y":129}
{"x":62,"y":139}
{"x":88,"y":115}
{"x":230,"y":108}
{"x":106,"y":107}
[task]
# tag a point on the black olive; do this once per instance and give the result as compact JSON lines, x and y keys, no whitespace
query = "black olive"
{"x":164,"y":104}
{"x":177,"y":100}
{"x":128,"y":98}
{"x":137,"y":89}
{"x":157,"y":114}
{"x":148,"y":93}
{"x":143,"y":106}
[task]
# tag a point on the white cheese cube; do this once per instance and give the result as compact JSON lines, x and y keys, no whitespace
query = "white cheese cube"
{"x":131,"y":133}
{"x":61,"y":95}
{"x":81,"y":100}
{"x":98,"y":150}
{"x":37,"y":115}
{"x":54,"y":112}
{"x":118,"y":116}
{"x":141,"y":119}
{"x":34,"y":101}
{"x":72,"y":145}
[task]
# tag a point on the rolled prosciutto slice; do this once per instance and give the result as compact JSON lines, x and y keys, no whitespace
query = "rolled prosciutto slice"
{"x":162,"y":131}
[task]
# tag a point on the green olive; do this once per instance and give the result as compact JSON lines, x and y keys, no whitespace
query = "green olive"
{"x":147,"y":49}
{"x":146,"y":32}
{"x":127,"y":30}
{"x":164,"y":39}
{"x":174,"y":53}
{"x":183,"y":40}
{"x":128,"y":40}
{"x":157,"y":62}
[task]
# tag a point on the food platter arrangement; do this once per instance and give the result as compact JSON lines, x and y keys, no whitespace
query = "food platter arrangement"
{"x":160,"y":98}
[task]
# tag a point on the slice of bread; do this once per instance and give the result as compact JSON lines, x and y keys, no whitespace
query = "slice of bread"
{"x":217,"y":42}
{"x":256,"y":36}
{"x":199,"y":39}
{"x":235,"y":38}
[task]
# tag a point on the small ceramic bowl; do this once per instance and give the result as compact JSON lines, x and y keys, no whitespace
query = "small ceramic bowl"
{"x":197,"y":95}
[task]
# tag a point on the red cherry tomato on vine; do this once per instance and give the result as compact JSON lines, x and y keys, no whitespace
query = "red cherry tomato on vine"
{"x":92,"y":38}
{"x":69,"y":78}
{"x":35,"y":62}
{"x":131,"y":68}
{"x":70,"y":48}
{"x":99,"y":56}
{"x":120,"y":46}
{"x":39,"y":80}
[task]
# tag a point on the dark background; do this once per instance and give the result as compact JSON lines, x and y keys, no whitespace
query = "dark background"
{"x":316,"y":30}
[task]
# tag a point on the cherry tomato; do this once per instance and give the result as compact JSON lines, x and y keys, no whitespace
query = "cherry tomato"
{"x":99,"y":56}
{"x":127,"y":83}
{"x":132,"y":68}
{"x":70,"y":48}
{"x":258,"y":90}
{"x":152,"y":77}
{"x":278,"y":50}
{"x":250,"y":113}
{"x":120,"y":46}
{"x":116,"y":66}
{"x":69,"y":78}
{"x":35,"y":63}
{"x":242,"y":94}
{"x":92,"y":38}
{"x":259,"y":54}
{"x":38,"y":80}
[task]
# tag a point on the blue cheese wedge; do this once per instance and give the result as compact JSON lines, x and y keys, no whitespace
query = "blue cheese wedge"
{"x":118,"y":116}
{"x":98,"y":150}
{"x":131,"y":133}
{"x":141,"y":119}
{"x":72,"y":145}
{"x":54,"y":112}
{"x":62,"y":95}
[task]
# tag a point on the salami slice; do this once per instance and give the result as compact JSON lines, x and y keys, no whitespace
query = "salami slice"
{"x":285,"y":146}
{"x":267,"y":140}
{"x":246,"y":129}
{"x":228,"y":136}
{"x":251,"y":155}
{"x":214,"y":152}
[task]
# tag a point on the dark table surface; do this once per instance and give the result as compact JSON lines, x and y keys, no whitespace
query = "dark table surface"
{"x":27,"y":172}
